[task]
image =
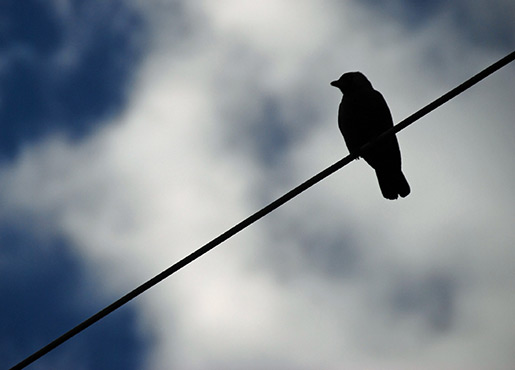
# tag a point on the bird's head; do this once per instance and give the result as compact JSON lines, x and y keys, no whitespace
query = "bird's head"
{"x":352,"y":81}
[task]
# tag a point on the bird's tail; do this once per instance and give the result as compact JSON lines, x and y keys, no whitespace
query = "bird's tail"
{"x":392,"y":183}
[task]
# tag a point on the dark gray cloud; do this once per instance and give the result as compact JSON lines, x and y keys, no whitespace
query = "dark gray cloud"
{"x":429,"y":298}
{"x":484,"y":24}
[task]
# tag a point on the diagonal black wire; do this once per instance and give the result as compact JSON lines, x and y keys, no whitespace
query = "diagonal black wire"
{"x":262,"y":212}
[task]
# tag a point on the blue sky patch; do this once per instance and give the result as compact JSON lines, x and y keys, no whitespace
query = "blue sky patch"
{"x":64,"y":71}
{"x":45,"y":291}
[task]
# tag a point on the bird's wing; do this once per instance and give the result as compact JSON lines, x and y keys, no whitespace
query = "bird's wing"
{"x":379,"y":113}
{"x":386,"y":152}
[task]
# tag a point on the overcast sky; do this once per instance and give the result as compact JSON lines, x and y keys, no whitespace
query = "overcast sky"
{"x":133,"y":132}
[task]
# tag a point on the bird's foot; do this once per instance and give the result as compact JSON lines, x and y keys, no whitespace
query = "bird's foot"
{"x":356,"y":156}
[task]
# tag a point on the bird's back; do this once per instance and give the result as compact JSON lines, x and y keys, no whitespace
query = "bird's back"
{"x":362,"y":116}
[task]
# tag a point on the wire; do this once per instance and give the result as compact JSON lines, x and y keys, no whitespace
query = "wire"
{"x":263,"y":212}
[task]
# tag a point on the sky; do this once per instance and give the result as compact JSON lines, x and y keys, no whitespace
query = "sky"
{"x":133,"y":132}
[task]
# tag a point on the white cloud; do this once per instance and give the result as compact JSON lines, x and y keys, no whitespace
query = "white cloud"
{"x":164,"y":178}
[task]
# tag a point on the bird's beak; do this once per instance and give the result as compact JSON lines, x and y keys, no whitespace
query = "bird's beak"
{"x":334,"y":83}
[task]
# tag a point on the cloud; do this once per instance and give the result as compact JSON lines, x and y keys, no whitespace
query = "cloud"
{"x":482,"y":24}
{"x":239,"y":110}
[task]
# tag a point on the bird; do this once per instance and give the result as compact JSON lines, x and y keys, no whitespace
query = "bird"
{"x":363,"y":114}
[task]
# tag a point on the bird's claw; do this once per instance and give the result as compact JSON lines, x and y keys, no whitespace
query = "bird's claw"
{"x":355,"y":155}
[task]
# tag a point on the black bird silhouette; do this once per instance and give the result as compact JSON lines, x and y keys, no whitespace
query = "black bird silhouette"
{"x":363,"y":115}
